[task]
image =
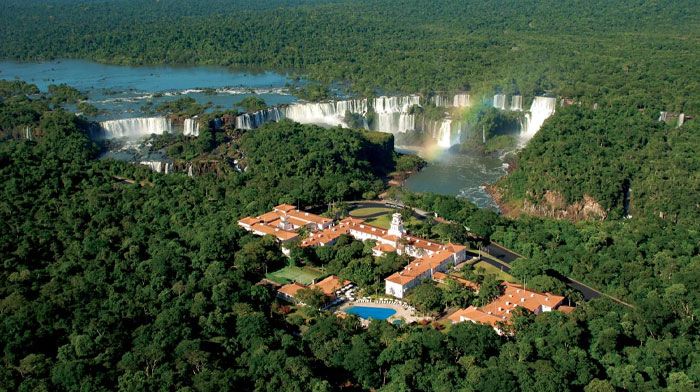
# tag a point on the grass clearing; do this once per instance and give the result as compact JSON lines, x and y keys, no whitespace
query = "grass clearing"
{"x":491,"y":270}
{"x":383,"y":221}
{"x":303,"y":275}
{"x":370,"y":211}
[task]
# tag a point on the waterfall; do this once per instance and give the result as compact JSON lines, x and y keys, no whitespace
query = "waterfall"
{"x":516,"y":103}
{"x":325,"y":113}
{"x":443,"y":135}
{"x":394,"y":104}
{"x":28,"y":133}
{"x":440,"y":101}
{"x":256,"y":119}
{"x":189,"y":170}
{"x":541,"y":109}
{"x":159,"y":166}
{"x":499,"y":101}
{"x":191,"y":127}
{"x":392,"y":113}
{"x":133,"y":128}
{"x":394,"y":122}
{"x":461,"y":100}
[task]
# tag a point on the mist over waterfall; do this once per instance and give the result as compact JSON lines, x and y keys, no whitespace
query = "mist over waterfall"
{"x":499,"y":101}
{"x":443,"y":134}
{"x":134,"y":128}
{"x":191,"y":127}
{"x":327,"y":113}
{"x":256,"y":119}
{"x":540,"y":110}
{"x":516,"y":103}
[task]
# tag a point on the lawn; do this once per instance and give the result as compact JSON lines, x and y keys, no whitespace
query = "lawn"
{"x":303,"y":275}
{"x":383,"y":221}
{"x":491,"y":270}
{"x":370,"y":211}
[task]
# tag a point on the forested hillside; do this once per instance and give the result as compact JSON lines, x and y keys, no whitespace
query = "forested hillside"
{"x":629,"y":162}
{"x":642,"y":54}
{"x":118,"y":278}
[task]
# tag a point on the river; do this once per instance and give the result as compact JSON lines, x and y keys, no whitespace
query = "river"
{"x":121,"y":91}
{"x":461,"y":175}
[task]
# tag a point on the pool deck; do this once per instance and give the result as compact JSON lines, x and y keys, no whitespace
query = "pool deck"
{"x":402,"y":313}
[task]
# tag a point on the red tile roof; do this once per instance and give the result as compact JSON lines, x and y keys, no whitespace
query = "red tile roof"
{"x":279,"y":233}
{"x":291,"y":289}
{"x":419,"y":266}
{"x":331,"y":284}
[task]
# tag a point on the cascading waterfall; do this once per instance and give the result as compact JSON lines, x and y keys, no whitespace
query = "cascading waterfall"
{"x":325,"y":113}
{"x":499,"y":101}
{"x":159,"y":166}
{"x":256,"y":119}
{"x":133,"y":128}
{"x":394,"y":122}
{"x":516,"y":103}
{"x":440,"y":101}
{"x":191,"y":127}
{"x":540,"y":110}
{"x":392,"y":113}
{"x":443,"y":135}
{"x":395,"y":104}
{"x":461,"y":100}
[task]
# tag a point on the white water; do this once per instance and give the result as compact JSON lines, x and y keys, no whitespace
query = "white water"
{"x":392,"y":113}
{"x":256,"y":119}
{"x":394,"y":122}
{"x":440,"y":101}
{"x":158,"y":166}
{"x":394,"y":104}
{"x":458,"y":101}
{"x":191,"y":127}
{"x":461,"y":100}
{"x":133,"y":128}
{"x":499,"y":101}
{"x":516,"y":103}
{"x":326,"y":113}
{"x":540,"y":110}
{"x":443,"y":134}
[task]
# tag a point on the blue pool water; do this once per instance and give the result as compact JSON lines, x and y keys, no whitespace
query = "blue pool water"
{"x":366,"y":312}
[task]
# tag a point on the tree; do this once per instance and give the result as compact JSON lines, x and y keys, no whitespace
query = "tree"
{"x":427,"y":297}
{"x":489,"y":289}
{"x":312,"y":296}
{"x":252,"y":104}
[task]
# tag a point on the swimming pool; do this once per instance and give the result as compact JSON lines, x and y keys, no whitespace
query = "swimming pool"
{"x":366,"y":312}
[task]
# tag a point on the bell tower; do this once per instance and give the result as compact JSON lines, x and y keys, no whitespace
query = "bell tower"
{"x":397,"y":225}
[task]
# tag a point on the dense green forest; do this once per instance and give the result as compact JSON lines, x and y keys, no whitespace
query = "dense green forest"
{"x":150,"y":284}
{"x":118,"y":278}
{"x":612,"y":154}
{"x":642,"y":54}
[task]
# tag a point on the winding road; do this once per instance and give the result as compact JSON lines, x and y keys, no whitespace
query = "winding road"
{"x":504,"y":256}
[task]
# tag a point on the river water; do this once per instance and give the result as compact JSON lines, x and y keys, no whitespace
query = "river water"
{"x":461,"y":175}
{"x":121,"y":92}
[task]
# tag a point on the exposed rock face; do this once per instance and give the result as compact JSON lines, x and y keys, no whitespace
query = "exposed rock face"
{"x":551,"y":205}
